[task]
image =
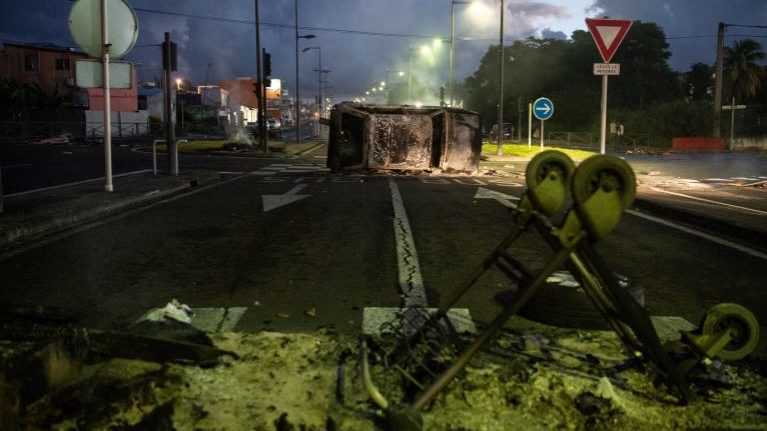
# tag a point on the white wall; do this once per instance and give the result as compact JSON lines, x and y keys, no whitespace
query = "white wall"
{"x":123,"y":123}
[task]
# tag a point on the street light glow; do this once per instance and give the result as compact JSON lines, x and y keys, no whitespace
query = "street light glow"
{"x":400,"y":73}
{"x":367,"y":93}
{"x":479,"y":12}
{"x":437,"y":43}
{"x":383,"y":83}
{"x":425,"y":50}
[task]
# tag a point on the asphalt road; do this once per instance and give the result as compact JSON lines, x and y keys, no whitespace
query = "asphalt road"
{"x":30,"y":167}
{"x":330,"y":251}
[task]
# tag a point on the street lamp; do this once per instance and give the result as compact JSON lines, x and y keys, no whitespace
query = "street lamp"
{"x":298,"y":79}
{"x":319,"y":77}
{"x":178,"y":84}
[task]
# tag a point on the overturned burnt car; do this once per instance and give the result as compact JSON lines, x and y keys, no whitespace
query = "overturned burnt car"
{"x":403,"y":138}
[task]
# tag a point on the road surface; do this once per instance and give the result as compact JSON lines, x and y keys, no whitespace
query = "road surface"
{"x":298,"y":248}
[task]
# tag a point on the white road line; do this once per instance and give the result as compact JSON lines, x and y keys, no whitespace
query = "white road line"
{"x":75,"y":183}
{"x":717,"y":240}
{"x":755,"y":211}
{"x":410,"y":280}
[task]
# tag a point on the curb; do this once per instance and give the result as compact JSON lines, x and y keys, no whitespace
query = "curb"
{"x":19,"y":235}
{"x":754,"y":238}
{"x":309,"y":150}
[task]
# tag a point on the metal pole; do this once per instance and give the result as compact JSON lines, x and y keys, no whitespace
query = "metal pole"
{"x":108,"y":186}
{"x":603,"y":130}
{"x":319,"y":89}
{"x":410,"y":76}
{"x":500,"y":91}
{"x":451,"y":74}
{"x":542,"y":133}
{"x":298,"y":82}
{"x":262,"y":142}
{"x":529,"y":125}
{"x":732,"y":123}
{"x":519,"y":118}
{"x":717,"y":123}
{"x":170,"y":131}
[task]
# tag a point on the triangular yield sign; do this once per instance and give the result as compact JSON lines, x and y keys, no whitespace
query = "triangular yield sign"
{"x":608,"y":34}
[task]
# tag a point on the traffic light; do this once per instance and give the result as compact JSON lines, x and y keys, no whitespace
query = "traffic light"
{"x":267,"y":64}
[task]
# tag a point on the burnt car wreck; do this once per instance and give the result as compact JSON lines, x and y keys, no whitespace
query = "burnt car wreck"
{"x":403,"y":138}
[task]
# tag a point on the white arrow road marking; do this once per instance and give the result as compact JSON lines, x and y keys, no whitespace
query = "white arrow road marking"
{"x":501,"y":198}
{"x":275,"y":201}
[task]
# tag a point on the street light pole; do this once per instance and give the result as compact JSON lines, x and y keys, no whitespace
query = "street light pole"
{"x":410,"y":75}
{"x":451,"y":73}
{"x":500,"y":90}
{"x":298,"y":82}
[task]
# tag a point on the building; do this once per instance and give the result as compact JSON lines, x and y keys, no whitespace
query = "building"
{"x":52,"y":68}
{"x":243,"y":100}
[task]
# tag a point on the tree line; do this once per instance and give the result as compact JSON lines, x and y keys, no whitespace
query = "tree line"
{"x":648,"y":97}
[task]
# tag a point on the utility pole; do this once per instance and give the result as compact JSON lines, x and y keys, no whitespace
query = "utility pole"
{"x":500,"y":91}
{"x":108,"y":186}
{"x":717,"y":123}
{"x":451,"y":73}
{"x":170,"y":132}
{"x":298,"y":82}
{"x":410,"y":75}
{"x":262,"y":139}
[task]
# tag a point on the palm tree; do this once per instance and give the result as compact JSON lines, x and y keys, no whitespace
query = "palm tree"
{"x":743,"y":72}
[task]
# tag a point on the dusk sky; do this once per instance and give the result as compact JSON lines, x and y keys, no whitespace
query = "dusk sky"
{"x":358,"y":60}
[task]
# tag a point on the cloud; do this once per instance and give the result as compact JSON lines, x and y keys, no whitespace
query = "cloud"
{"x":548,"y":33}
{"x":534,"y":9}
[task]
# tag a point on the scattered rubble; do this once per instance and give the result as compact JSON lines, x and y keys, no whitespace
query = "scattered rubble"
{"x":537,"y":377}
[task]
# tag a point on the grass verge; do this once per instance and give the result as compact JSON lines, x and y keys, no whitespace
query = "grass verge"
{"x":522,"y":150}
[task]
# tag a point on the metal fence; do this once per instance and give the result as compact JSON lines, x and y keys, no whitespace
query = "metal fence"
{"x":641,"y":142}
{"x":36,"y":131}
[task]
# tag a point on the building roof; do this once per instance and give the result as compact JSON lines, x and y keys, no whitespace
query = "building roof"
{"x":44,"y":46}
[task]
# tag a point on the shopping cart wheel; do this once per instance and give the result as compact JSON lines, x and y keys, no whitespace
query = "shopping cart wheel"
{"x":603,"y":186}
{"x":548,"y":177}
{"x":743,"y":327}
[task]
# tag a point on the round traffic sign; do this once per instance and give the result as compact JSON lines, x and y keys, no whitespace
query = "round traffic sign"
{"x":85,"y":27}
{"x":543,"y":108}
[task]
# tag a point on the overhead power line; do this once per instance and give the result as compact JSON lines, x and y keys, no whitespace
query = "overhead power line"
{"x":277,"y":25}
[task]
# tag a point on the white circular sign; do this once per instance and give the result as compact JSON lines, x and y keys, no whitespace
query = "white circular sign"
{"x":85,"y":27}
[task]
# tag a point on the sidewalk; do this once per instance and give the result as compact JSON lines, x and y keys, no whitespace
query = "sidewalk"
{"x":34,"y":215}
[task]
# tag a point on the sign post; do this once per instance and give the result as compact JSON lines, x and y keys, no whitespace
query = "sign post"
{"x":543,"y":109}
{"x":608,"y":35}
{"x":106,"y":30}
{"x":732,"y":108}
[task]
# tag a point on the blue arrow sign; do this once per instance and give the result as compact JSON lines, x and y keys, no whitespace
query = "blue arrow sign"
{"x":543,"y":108}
